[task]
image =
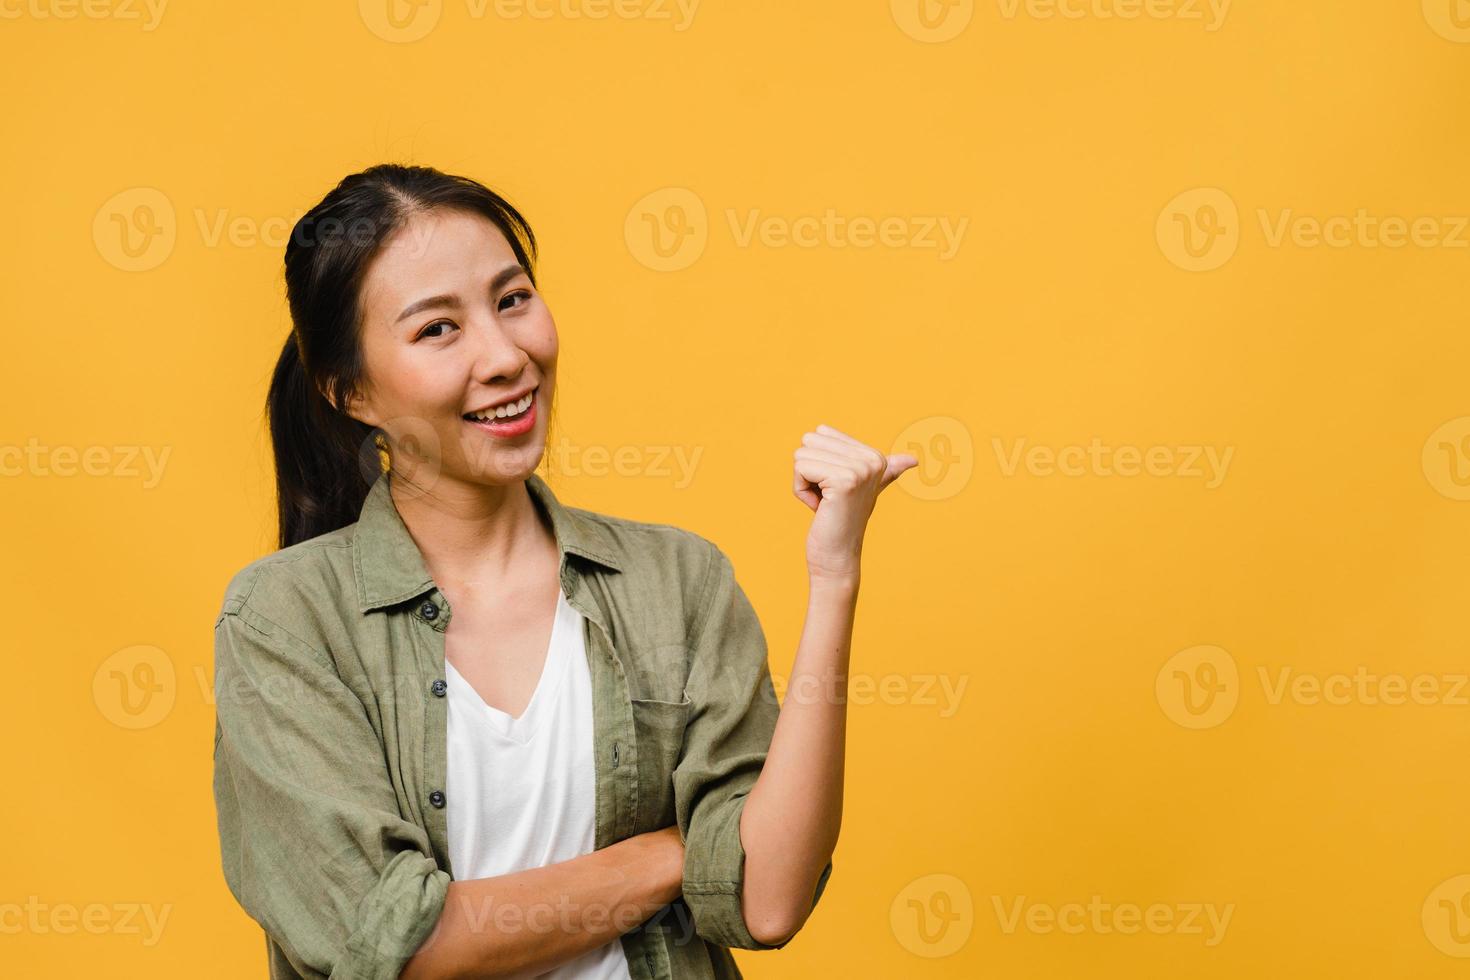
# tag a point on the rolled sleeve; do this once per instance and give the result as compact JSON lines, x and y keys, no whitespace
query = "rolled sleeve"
{"x":725,"y":745}
{"x":312,"y":842}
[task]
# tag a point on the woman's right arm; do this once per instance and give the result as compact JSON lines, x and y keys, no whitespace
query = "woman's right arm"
{"x":315,"y":849}
{"x":533,"y":920}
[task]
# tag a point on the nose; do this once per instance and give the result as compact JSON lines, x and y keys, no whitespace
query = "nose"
{"x":497,"y":355}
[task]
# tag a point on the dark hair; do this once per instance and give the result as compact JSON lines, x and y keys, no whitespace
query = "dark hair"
{"x":326,"y":461}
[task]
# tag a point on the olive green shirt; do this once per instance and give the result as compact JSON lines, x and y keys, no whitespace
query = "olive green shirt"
{"x":331,"y":741}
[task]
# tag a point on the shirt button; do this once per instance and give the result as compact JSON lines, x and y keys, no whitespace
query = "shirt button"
{"x":429,"y":611}
{"x":439,"y":687}
{"x":437,"y":798}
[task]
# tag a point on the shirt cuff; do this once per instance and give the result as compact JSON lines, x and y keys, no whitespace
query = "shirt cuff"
{"x":394,"y":918}
{"x":714,"y":878}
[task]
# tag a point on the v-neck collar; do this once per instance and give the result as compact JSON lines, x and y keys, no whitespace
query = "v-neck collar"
{"x":523,"y":728}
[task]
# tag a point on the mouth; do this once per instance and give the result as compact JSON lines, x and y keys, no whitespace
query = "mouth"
{"x":507,"y":419}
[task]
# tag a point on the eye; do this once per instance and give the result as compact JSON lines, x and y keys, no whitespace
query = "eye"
{"x":437,"y":323}
{"x":524,"y":293}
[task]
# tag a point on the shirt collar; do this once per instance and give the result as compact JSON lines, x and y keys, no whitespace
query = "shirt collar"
{"x":390,"y":568}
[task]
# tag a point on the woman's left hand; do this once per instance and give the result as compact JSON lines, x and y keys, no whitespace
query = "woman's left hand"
{"x":840,"y":478}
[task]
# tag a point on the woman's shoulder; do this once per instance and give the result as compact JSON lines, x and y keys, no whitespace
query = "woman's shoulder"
{"x":665,"y":569}
{"x":647,"y":546}
{"x":283,"y":584}
{"x":669,"y":582}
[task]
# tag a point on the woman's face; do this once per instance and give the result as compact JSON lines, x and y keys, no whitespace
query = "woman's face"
{"x":453,"y":328}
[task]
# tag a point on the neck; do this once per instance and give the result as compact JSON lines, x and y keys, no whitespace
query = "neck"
{"x":473,"y":533}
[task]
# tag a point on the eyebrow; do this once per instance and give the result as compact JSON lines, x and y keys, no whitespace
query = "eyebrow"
{"x":448,"y":299}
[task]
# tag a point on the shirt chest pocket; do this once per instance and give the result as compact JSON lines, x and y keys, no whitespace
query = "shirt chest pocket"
{"x":659,"y":728}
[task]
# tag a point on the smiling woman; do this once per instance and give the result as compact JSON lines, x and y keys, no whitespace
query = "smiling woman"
{"x":464,"y":729}
{"x":373,"y":313}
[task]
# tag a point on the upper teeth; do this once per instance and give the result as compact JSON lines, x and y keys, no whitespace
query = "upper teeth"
{"x":504,"y":411}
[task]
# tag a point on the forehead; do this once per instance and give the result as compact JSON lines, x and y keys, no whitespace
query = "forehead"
{"x":435,"y":251}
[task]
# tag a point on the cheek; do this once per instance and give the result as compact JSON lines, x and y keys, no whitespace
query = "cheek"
{"x":428,"y":386}
{"x":539,"y":338}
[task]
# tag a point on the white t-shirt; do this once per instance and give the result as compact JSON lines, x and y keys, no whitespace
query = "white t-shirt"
{"x":521,"y":792}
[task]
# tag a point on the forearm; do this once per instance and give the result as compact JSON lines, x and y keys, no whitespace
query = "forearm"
{"x":531,"y":921}
{"x":792,"y":817}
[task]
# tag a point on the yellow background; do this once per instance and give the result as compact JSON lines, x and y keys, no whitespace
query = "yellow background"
{"x":1073,"y":765}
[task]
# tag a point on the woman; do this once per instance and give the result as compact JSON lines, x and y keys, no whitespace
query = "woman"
{"x":463,"y":729}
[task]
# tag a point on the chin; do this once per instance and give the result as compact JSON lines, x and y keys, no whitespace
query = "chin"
{"x":508,"y":466}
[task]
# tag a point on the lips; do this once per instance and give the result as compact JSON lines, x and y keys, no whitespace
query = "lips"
{"x":487,"y":415}
{"x":513,"y":427}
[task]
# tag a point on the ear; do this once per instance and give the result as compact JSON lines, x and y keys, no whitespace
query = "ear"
{"x":357,"y":407}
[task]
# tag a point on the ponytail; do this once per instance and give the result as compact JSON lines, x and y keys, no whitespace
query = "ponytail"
{"x":321,"y":481}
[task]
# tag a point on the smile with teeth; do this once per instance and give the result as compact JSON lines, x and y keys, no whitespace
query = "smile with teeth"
{"x":509,"y":410}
